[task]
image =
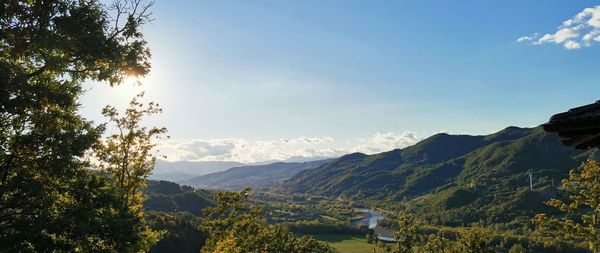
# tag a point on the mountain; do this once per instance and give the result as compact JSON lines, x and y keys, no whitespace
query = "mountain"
{"x":183,"y":170}
{"x":172,"y":176}
{"x":255,"y":176}
{"x":451,"y":177}
{"x":302,"y":159}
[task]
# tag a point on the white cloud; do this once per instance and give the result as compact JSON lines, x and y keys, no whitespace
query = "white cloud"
{"x":247,"y":151}
{"x":560,"y":36}
{"x":579,"y":31}
{"x":572,"y":45}
{"x":380,"y":142}
{"x":282,"y":149}
{"x":524,"y":38}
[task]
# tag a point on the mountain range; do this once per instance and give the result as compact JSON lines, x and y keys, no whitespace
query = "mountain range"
{"x":254,"y":176}
{"x":450,"y":178}
{"x":446,"y":179}
{"x":185,"y":171}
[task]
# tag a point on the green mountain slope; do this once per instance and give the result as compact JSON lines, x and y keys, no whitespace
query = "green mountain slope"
{"x":451,"y":178}
{"x":255,"y":176}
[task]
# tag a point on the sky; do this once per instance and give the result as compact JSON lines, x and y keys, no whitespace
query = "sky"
{"x":255,"y":81}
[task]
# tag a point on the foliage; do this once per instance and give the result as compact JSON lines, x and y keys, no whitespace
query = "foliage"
{"x":517,"y":248}
{"x":169,"y":197}
{"x":474,"y":239}
{"x":582,"y":208}
{"x":235,"y":227}
{"x":127,"y":158}
{"x":127,"y":154}
{"x":163,"y":187}
{"x":407,"y":236}
{"x":48,"y":200}
{"x":411,"y":236}
{"x":176,"y":210}
{"x":305,"y":210}
{"x":191,"y":202}
{"x":181,"y":235}
{"x":436,"y":244}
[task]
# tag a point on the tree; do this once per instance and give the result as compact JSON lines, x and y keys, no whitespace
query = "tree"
{"x":233,"y":226}
{"x":48,"y":200}
{"x":376,"y":244}
{"x":436,"y":244}
{"x":582,"y":207}
{"x":474,"y":239}
{"x":517,"y":248}
{"x":407,"y":235}
{"x":127,"y":158}
{"x":127,"y":154}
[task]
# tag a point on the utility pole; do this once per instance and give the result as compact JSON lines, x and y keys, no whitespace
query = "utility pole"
{"x":530,"y":181}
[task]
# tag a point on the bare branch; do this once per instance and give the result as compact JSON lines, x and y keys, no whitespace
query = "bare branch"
{"x":135,"y":8}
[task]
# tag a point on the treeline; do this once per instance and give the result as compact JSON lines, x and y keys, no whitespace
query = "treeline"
{"x":170,"y":197}
{"x":540,"y":240}
{"x":413,"y":236}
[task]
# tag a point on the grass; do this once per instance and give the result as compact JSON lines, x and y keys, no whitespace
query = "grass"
{"x":346,"y":243}
{"x":357,"y":218}
{"x":329,"y":218}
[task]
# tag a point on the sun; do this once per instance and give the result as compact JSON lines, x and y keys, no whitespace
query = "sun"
{"x":132,"y":80}
{"x":130,"y":86}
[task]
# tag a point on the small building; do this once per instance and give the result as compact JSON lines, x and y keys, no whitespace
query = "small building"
{"x":384,"y":235}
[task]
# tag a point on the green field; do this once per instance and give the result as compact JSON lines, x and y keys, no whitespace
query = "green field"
{"x":346,"y":243}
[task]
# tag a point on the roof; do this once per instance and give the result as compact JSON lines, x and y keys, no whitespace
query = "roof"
{"x":578,"y":127}
{"x":384,"y":234}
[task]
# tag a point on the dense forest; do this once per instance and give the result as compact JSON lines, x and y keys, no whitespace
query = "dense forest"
{"x":68,"y":184}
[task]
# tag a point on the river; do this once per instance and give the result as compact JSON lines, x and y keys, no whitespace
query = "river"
{"x":371,"y":218}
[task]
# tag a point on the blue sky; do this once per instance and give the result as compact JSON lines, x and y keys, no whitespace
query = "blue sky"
{"x":262,"y":80}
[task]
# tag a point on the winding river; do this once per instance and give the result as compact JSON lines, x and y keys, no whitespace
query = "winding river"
{"x":370,"y":218}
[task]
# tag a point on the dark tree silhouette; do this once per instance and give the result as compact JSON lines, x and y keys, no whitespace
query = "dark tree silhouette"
{"x":48,"y":199}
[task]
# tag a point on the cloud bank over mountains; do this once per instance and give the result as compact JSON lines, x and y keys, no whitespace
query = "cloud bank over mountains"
{"x":582,"y":30}
{"x":247,"y":151}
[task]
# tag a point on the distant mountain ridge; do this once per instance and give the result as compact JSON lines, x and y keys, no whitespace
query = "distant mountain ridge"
{"x":454,"y":173}
{"x":183,"y":170}
{"x":255,"y":176}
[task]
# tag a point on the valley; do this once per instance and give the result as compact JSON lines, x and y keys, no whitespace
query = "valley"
{"x":270,"y":126}
{"x":445,"y":181}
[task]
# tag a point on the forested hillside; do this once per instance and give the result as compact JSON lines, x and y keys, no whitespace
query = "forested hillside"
{"x":452,"y":179}
{"x":167,"y":196}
